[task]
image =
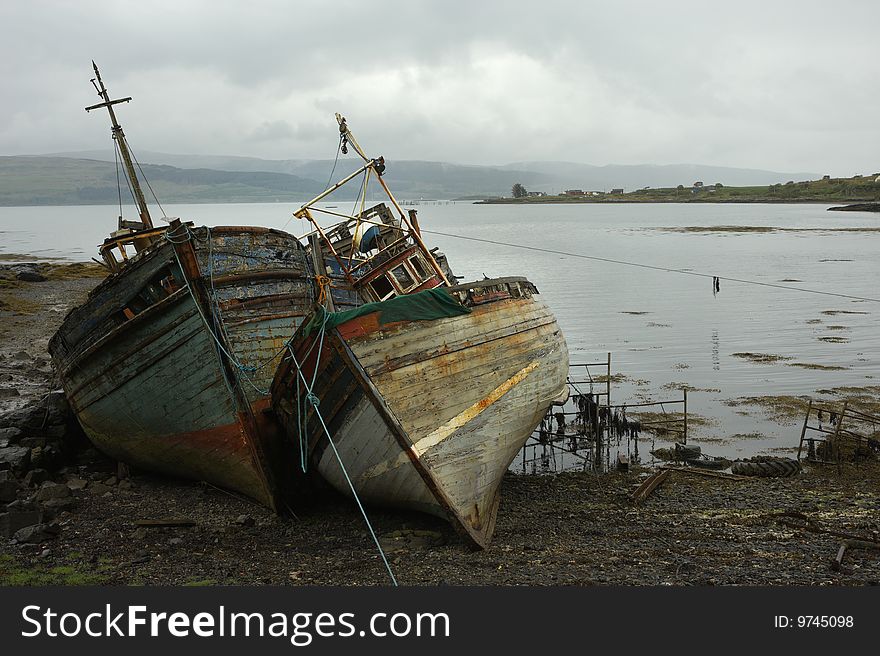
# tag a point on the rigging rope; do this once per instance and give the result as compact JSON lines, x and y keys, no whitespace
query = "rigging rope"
{"x":315,"y":401}
{"x":149,"y":186}
{"x":652,"y":266}
{"x":118,"y":186}
{"x":127,"y":181}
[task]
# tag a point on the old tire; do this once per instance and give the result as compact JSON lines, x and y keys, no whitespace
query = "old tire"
{"x":766,"y":467}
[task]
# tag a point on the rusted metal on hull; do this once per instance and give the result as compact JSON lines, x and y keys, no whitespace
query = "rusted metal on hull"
{"x":442,"y":407}
{"x":156,"y":391}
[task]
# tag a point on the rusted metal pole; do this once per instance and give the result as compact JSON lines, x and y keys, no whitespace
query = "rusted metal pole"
{"x":304,"y":212}
{"x":804,"y":429}
{"x":415,"y":233}
{"x":685,"y":415}
{"x":837,"y":435}
{"x":329,"y":191}
{"x":320,"y":267}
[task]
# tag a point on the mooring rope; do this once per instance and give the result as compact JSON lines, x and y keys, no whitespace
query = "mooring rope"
{"x":651,"y":266}
{"x":312,"y":398}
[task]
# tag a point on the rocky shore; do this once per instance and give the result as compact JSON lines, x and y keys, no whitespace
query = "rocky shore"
{"x":68,"y":515}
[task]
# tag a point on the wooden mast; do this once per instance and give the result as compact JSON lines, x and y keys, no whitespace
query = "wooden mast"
{"x":119,"y":137}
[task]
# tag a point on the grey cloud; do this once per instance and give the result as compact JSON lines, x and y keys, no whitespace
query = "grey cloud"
{"x":784,"y":85}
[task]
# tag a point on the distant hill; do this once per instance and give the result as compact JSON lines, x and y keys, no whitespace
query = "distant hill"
{"x":859,"y":189}
{"x":67,"y":181}
{"x":569,"y":175}
{"x":89,"y":177}
{"x":408,"y":179}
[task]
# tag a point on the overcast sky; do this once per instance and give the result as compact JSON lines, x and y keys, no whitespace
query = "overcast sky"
{"x":787,"y":86}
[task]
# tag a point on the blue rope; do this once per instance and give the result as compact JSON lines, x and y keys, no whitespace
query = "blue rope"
{"x":312,"y":398}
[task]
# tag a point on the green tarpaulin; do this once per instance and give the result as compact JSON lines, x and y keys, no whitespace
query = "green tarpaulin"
{"x":421,"y":306}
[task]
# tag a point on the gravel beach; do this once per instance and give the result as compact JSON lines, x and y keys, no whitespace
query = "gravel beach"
{"x":565,"y":529}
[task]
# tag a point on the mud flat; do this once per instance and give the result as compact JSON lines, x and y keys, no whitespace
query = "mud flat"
{"x":571,"y":528}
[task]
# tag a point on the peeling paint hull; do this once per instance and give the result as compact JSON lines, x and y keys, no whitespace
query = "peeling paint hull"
{"x":428,"y":415}
{"x":150,"y":387}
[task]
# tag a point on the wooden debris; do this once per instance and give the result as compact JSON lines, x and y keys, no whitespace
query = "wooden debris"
{"x":705,"y":472}
{"x":168,"y":521}
{"x":650,"y":484}
{"x":851,"y":545}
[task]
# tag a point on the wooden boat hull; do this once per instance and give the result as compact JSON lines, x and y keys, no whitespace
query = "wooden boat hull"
{"x":428,"y":415}
{"x":150,"y":385}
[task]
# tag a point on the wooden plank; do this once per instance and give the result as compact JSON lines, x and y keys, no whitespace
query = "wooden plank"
{"x":706,"y":472}
{"x":648,"y":486}
{"x":169,"y":521}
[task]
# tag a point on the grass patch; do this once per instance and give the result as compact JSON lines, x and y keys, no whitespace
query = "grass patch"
{"x":779,"y":408}
{"x":690,"y":388}
{"x":17,"y":304}
{"x":720,"y":228}
{"x":14,"y":575}
{"x":198,"y":583}
{"x":833,"y":340}
{"x":814,"y":321}
{"x":730,"y":439}
{"x":669,"y":423}
{"x":866,"y":399}
{"x":832,"y":313}
{"x":633,"y":312}
{"x":653,"y":324}
{"x":761,"y":358}
{"x":25,"y":257}
{"x":73,"y":271}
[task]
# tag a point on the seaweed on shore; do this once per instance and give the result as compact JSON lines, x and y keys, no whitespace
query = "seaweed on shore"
{"x":761,"y":358}
{"x":817,"y":367}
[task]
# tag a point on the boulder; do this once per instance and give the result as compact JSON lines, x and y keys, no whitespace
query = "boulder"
{"x":75,"y":483}
{"x":15,"y":457}
{"x":58,"y":408}
{"x":9,"y":436}
{"x":14,"y":521}
{"x":36,"y":477}
{"x":29,"y":275}
{"x":37,"y":533}
{"x":32,"y":442}
{"x":22,"y":505}
{"x":98,"y":489}
{"x":245,"y":520}
{"x":8,"y":487}
{"x":59,"y":504}
{"x":53,"y":410}
{"x":50,"y":490}
{"x":49,"y":457}
{"x":25,"y":417}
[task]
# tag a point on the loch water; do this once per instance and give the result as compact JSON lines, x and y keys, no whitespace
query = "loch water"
{"x":664,"y":329}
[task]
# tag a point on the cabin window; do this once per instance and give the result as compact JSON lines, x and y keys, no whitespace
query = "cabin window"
{"x":403,"y":277}
{"x":419,"y":268}
{"x":382,"y":287}
{"x":157,"y":288}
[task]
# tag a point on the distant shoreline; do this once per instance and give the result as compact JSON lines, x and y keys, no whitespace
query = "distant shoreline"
{"x":555,"y":200}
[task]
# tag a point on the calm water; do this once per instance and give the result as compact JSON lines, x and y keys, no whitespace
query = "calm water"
{"x":682,"y":334}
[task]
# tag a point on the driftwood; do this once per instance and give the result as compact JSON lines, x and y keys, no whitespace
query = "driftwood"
{"x":169,"y":521}
{"x":650,"y":484}
{"x":851,"y":545}
{"x":705,"y":472}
